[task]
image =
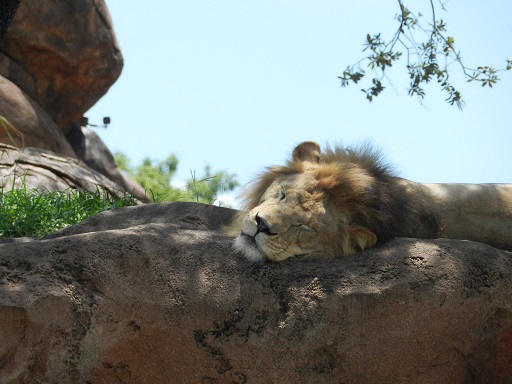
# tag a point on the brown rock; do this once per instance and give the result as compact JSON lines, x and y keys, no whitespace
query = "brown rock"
{"x":47,"y":171}
{"x":63,"y":54}
{"x":90,"y":149}
{"x":28,"y":125}
{"x":154,"y":294}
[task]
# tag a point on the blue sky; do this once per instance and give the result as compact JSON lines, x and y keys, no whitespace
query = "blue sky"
{"x":237,"y":84}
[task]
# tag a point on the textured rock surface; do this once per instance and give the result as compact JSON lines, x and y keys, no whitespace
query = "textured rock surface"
{"x":154,"y":294}
{"x":63,"y":54}
{"x":28,"y":124}
{"x":46,"y":171}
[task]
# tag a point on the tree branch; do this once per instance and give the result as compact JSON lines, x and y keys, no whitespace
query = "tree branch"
{"x":382,"y":55}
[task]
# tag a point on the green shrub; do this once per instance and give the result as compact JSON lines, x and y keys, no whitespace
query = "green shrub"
{"x":28,"y":212}
{"x":156,"y":178}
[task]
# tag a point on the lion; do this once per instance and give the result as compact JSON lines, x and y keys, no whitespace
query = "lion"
{"x":336,"y":202}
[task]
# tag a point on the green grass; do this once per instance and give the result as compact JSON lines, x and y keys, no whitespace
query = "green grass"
{"x":27,"y":212}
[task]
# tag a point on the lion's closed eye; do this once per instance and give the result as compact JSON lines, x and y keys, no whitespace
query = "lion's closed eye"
{"x":304,"y":227}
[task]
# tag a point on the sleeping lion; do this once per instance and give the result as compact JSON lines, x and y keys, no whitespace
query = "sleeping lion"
{"x":338,"y":201}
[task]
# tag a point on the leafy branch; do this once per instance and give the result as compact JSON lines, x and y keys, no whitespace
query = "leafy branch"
{"x":427,"y":61}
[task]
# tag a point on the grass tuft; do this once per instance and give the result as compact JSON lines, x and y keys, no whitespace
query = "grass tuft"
{"x":30,"y":213}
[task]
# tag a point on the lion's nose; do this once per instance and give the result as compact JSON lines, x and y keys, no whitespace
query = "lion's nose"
{"x":262,"y":226}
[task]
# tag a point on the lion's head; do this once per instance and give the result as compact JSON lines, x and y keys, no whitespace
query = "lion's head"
{"x":329,"y":203}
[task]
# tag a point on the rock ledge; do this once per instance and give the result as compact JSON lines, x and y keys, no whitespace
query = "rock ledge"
{"x":155,"y":294}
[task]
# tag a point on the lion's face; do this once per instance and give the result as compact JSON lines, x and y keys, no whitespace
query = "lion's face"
{"x":293,"y":217}
{"x":286,"y":222}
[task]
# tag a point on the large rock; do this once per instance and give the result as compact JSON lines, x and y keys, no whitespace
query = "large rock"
{"x":46,"y":171}
{"x":63,"y":54}
{"x":26,"y":124}
{"x":155,"y":294}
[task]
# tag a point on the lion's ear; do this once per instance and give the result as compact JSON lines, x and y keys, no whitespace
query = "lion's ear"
{"x":307,"y":151}
{"x":362,"y":237}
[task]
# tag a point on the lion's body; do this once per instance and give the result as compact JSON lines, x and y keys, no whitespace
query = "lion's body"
{"x":339,"y":201}
{"x":477,"y":212}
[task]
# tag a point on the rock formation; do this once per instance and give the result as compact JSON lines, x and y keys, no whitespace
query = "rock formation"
{"x":57,"y":60}
{"x":34,"y":168}
{"x":64,"y":55}
{"x":155,"y":294}
{"x":26,"y":124}
{"x":90,"y":149}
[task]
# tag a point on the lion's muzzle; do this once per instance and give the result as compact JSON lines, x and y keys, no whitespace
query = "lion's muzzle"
{"x":263,"y":227}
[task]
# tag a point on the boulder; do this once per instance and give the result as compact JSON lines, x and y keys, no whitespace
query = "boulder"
{"x":46,"y":171}
{"x":26,"y":124}
{"x":155,"y":294}
{"x":63,"y":54}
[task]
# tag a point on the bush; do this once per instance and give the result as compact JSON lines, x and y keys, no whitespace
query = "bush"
{"x":28,"y":212}
{"x":156,"y":178}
